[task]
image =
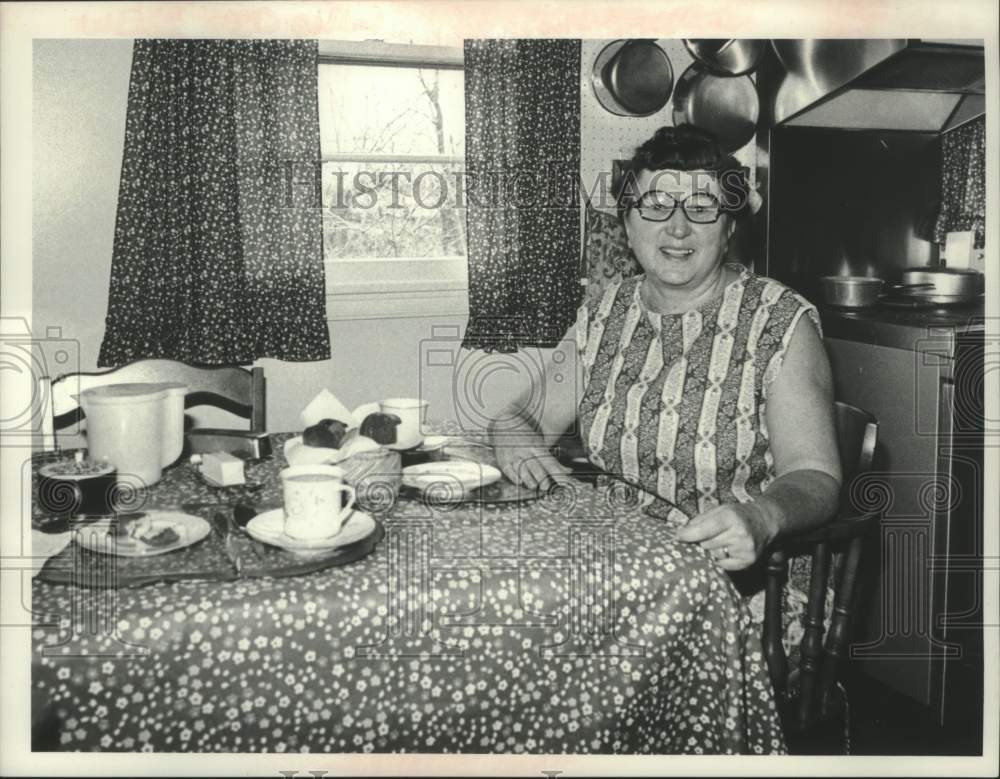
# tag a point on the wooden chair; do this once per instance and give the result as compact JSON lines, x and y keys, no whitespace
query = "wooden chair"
{"x":819,"y":697}
{"x":237,"y":390}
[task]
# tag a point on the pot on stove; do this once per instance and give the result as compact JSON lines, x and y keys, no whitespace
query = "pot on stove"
{"x":919,"y":286}
{"x":851,"y":291}
{"x":940,"y":286}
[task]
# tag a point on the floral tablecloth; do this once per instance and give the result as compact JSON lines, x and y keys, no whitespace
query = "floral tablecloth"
{"x":568,"y":624}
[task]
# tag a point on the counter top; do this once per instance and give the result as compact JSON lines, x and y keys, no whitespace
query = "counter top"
{"x":934,"y":331}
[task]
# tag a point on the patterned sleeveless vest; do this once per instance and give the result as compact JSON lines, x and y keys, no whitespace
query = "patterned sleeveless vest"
{"x":675,"y":403}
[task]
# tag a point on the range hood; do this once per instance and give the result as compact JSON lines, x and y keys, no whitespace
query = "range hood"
{"x":926,"y":85}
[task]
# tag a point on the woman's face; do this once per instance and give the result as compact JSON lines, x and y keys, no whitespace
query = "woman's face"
{"x":678,"y":253}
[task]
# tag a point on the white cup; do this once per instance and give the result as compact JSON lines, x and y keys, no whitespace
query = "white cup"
{"x":317,"y":501}
{"x":412,"y":412}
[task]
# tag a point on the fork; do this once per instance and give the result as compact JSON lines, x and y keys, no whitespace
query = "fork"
{"x":222,"y":529}
{"x":235,"y":528}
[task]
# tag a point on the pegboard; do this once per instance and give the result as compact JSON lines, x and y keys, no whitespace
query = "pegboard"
{"x":605,"y":136}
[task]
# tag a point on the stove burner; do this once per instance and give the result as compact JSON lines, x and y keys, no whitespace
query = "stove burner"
{"x":915,"y":303}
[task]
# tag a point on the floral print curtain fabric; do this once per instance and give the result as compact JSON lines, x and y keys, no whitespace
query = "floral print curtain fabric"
{"x":522,"y":106}
{"x":963,"y":182}
{"x":218,"y":253}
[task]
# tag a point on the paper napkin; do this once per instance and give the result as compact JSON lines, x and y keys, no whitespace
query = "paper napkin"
{"x":326,"y":405}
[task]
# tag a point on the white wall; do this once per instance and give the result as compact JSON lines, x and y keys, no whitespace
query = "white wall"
{"x":80,"y":97}
{"x":78,"y":121}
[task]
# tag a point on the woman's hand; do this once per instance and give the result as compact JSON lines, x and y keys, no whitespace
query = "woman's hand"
{"x":530,"y":464}
{"x":735,"y":534}
{"x":521,"y":433}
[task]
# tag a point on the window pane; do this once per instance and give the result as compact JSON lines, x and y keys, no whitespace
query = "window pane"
{"x":392,"y":210}
{"x":391,"y":110}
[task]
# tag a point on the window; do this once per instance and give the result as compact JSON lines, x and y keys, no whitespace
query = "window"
{"x":392,"y":125}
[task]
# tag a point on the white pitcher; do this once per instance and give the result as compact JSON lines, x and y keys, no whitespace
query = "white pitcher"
{"x":173,"y":421}
{"x":139,"y":428}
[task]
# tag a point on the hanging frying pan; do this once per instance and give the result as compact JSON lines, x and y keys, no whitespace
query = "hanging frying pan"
{"x":732,"y":57}
{"x":632,"y":77}
{"x":726,"y":106}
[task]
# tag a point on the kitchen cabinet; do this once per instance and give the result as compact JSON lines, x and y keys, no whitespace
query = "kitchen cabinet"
{"x":920,"y":631}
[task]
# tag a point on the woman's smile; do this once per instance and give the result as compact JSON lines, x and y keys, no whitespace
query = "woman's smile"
{"x":682,"y":259}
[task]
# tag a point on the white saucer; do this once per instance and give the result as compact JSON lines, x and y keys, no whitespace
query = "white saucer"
{"x":409,"y":447}
{"x":449,"y":480}
{"x":269,"y":528}
{"x":433,"y":442}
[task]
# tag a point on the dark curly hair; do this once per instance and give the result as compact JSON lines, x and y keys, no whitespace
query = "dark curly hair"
{"x":685,"y":147}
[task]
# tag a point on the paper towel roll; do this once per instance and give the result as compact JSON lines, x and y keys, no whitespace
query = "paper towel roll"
{"x":958,"y":249}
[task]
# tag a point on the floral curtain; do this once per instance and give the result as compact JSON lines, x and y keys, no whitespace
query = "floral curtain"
{"x":963,"y":182}
{"x":218,"y":253}
{"x":522,"y":107}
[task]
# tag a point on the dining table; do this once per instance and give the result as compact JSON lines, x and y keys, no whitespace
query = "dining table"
{"x":567,"y":621}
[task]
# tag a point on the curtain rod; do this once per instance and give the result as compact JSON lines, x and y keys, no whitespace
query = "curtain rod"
{"x":350,"y":59}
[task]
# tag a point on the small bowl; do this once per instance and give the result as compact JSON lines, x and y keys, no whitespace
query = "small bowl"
{"x":68,"y":487}
{"x":376,"y":477}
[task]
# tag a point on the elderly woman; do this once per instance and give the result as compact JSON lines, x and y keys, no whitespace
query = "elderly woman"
{"x":703,"y":385}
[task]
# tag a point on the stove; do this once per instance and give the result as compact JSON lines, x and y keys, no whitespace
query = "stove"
{"x":917,"y":302}
{"x":910,"y":325}
{"x":908,"y":310}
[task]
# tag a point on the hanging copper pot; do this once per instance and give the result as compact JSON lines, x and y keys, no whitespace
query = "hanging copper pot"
{"x":633,"y":77}
{"x":726,"y":106}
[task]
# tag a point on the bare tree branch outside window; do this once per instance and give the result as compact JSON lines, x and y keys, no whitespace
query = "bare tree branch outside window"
{"x":393,"y":141}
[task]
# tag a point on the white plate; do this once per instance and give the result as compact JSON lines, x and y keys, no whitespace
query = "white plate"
{"x":434,"y":442}
{"x":190,"y":529}
{"x":297,"y":453}
{"x":449,"y":480}
{"x":269,"y":528}
{"x":411,"y":448}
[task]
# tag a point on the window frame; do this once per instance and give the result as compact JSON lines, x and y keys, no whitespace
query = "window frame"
{"x":360,"y":289}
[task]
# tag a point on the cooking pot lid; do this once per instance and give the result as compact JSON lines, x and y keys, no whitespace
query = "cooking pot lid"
{"x":943,"y":271}
{"x":125,"y":393}
{"x":853,"y":279}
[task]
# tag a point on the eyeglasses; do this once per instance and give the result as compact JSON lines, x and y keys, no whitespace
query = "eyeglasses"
{"x":698,"y":207}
